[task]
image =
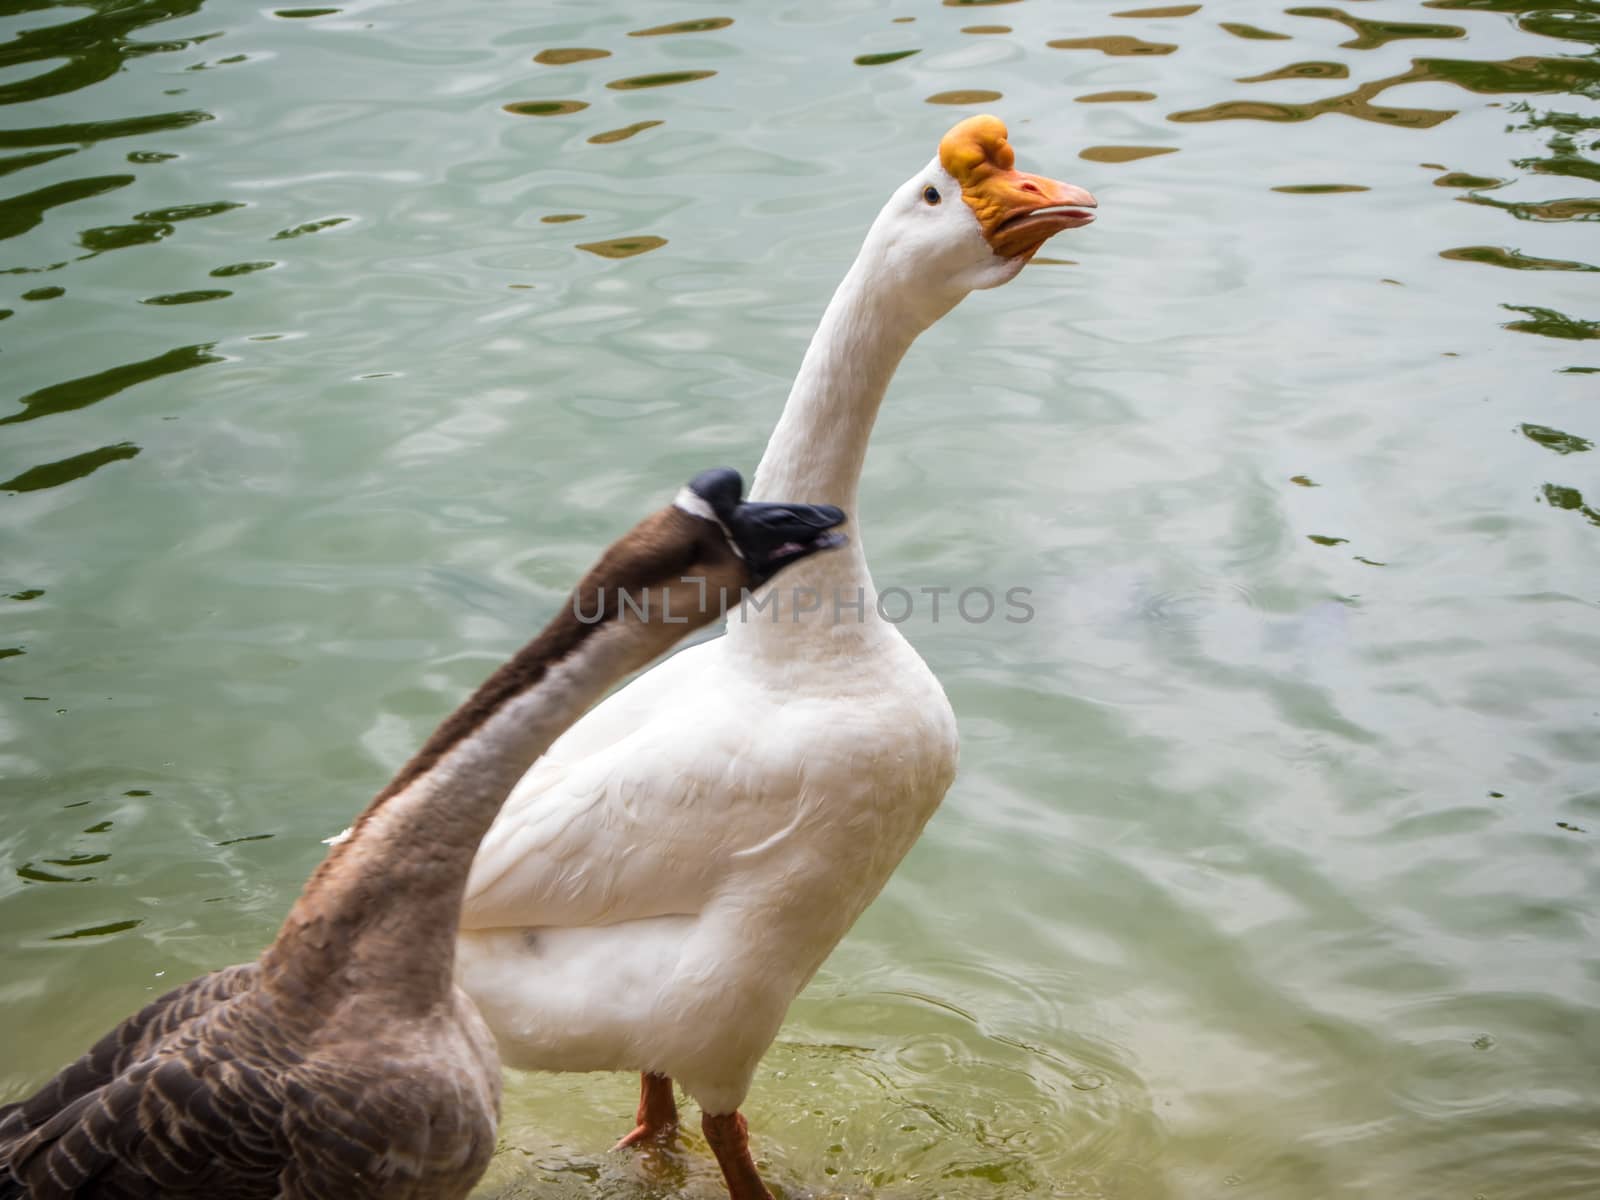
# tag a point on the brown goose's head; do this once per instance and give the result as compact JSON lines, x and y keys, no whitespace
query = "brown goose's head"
{"x":766,"y":537}
{"x":686,"y":565}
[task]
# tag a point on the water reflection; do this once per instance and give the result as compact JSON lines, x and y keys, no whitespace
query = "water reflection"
{"x":878,"y":60}
{"x":66,"y":470}
{"x":571,"y":54}
{"x":21,"y":162}
{"x":1252,"y":32}
{"x":703,"y":25}
{"x":308,"y":228}
{"x":242,"y":268}
{"x":624,"y":247}
{"x":18,"y":214}
{"x":1116,"y":46}
{"x":1175,"y":10}
{"x":1573,"y":19}
{"x":1160,"y":917}
{"x":90,"y":132}
{"x":1461,"y":179}
{"x":1485,"y":77}
{"x":1580,"y":208}
{"x":95,"y":47}
{"x":1570,"y":499}
{"x":1122,"y":154}
{"x":659,"y":79}
{"x":115,"y":237}
{"x":964,"y":96}
{"x":1300,"y":70}
{"x":1500,"y":256}
{"x":1370,"y":34}
{"x":1555,"y":440}
{"x":621,"y":135}
{"x":94,"y":931}
{"x":1547,"y":322}
{"x":1567,"y":156}
{"x":1319,"y":189}
{"x":545,"y":108}
{"x":73,"y":394}
{"x":195,"y":296}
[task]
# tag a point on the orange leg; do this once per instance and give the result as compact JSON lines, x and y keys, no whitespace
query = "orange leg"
{"x":658,"y":1112}
{"x":730,"y":1141}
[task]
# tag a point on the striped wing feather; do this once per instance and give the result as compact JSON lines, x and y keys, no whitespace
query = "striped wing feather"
{"x":201,"y":1094}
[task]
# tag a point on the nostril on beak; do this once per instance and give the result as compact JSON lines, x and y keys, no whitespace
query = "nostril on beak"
{"x":1029,"y":186}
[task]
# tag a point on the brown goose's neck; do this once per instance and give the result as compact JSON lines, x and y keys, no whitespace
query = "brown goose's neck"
{"x":380,"y":914}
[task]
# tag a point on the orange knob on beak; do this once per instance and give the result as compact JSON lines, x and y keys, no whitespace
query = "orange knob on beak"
{"x":1017,"y":212}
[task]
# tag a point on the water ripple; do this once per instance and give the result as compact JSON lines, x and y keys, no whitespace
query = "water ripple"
{"x":1370,"y":34}
{"x":1269,"y":869}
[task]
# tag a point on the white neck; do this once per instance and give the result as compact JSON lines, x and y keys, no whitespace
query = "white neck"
{"x":816,"y":452}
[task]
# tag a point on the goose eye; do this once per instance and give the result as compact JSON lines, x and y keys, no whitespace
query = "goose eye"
{"x":930,"y":194}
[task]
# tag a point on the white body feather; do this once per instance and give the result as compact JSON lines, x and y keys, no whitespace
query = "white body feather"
{"x":658,"y":889}
{"x":690,"y":854}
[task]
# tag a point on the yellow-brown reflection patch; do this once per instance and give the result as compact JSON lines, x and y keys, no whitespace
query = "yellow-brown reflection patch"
{"x":624,"y":247}
{"x":1501,"y":256}
{"x":561,"y":218}
{"x":562,"y":56}
{"x":1301,"y":70}
{"x":661,"y":79}
{"x":1176,"y":10}
{"x":703,"y":25}
{"x":1578,"y":208}
{"x":546,"y":108}
{"x":966,"y":96}
{"x":1460,"y":179}
{"x":986,"y":29}
{"x":1525,"y":73}
{"x":1116,"y":46}
{"x":1253,"y":33}
{"x":623,"y":134}
{"x":1110,"y":97}
{"x":1356,"y":104}
{"x":1372,"y":34}
{"x":1319,"y":189}
{"x":1122,"y":154}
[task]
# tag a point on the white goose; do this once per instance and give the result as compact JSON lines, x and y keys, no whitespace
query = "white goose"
{"x":660,"y":886}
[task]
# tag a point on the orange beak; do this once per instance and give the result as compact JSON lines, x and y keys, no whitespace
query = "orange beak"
{"x":1017,"y":212}
{"x":1027,"y":210}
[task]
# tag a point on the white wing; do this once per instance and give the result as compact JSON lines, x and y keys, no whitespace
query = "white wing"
{"x":634,"y":812}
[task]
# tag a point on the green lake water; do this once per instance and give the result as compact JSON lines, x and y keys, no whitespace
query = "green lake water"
{"x":336,"y":340}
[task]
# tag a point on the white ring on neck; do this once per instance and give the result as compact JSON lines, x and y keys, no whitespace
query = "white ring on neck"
{"x":696,"y":506}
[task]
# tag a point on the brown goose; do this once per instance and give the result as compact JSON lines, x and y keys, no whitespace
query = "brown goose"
{"x":344,"y":1062}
